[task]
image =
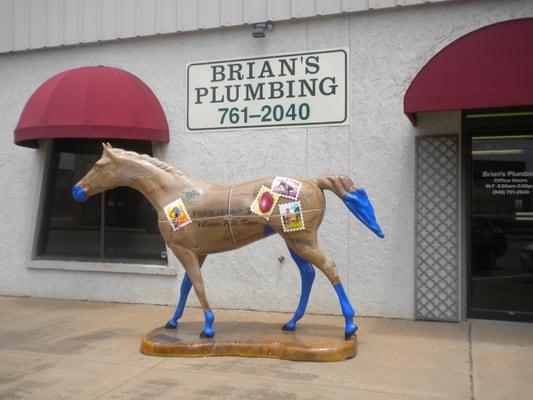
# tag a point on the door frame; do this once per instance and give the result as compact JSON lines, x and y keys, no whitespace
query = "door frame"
{"x":488,"y":122}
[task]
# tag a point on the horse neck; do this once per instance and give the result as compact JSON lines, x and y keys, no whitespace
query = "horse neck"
{"x":158,"y":186}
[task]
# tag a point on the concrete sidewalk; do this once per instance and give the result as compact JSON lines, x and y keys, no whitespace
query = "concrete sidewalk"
{"x":52,"y":349}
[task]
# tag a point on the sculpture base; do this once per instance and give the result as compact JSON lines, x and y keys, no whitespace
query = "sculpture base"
{"x":310,"y":342}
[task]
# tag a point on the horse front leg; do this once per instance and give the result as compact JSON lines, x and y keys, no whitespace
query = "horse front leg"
{"x":185,"y":288}
{"x":191,"y":263}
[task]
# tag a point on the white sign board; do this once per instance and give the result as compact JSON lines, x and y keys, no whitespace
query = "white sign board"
{"x":292,"y":89}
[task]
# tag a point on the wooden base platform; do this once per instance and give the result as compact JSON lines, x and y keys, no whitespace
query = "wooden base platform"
{"x":310,"y":342}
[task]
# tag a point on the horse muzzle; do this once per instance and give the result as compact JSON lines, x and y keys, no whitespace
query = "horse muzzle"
{"x":79,"y":194}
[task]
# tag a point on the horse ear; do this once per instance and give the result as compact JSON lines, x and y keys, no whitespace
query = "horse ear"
{"x":109,"y":152}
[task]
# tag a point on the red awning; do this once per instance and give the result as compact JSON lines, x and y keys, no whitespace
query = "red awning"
{"x":92,"y":103}
{"x":488,"y":68}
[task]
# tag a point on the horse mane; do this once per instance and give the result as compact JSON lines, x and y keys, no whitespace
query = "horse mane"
{"x":144,"y":157}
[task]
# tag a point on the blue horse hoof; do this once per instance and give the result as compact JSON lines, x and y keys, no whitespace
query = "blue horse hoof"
{"x":171,"y":325}
{"x":207,"y":335}
{"x":289,"y":326}
{"x":350,"y":331}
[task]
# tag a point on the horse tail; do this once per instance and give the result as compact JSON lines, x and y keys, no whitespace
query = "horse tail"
{"x":338,"y":184}
{"x":354,"y":197}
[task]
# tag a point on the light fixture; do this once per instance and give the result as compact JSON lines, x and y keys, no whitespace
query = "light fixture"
{"x":502,"y":137}
{"x":506,"y":152}
{"x":261,"y":28}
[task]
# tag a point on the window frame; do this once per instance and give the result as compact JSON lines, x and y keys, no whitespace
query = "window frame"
{"x":35,"y":260}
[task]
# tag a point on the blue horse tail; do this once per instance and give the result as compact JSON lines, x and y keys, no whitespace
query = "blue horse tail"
{"x":355,"y":198}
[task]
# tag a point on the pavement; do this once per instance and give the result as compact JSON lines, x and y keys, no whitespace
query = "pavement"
{"x":62,"y":349}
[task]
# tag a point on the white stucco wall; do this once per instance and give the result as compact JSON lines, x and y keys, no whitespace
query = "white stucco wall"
{"x":387,"y":48}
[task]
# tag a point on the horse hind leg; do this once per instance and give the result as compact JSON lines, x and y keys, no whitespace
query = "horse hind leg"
{"x":185,"y":288}
{"x":316,"y":257}
{"x":307,"y":273}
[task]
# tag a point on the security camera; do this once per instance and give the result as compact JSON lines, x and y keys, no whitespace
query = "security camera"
{"x":261,"y":28}
{"x":258,"y":34}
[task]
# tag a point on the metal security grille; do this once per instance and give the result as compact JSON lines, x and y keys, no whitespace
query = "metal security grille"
{"x":437,"y":231}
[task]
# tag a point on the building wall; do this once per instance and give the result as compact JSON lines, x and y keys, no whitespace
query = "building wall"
{"x":387,"y":48}
{"x":34,"y":24}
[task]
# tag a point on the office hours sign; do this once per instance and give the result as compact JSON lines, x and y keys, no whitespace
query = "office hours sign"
{"x":283,"y":90}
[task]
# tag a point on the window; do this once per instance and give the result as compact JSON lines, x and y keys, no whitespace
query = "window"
{"x":117,"y":225}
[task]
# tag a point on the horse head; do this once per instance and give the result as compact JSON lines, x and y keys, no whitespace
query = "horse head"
{"x":102,"y":176}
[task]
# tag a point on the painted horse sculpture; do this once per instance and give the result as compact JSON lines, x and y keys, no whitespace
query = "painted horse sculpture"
{"x":197,"y":218}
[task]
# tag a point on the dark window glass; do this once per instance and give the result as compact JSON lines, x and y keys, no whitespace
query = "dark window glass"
{"x":119,"y":224}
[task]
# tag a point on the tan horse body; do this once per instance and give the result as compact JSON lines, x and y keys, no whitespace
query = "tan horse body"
{"x":219,"y":218}
{"x":214,"y":212}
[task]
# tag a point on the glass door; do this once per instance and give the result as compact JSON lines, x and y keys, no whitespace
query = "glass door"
{"x":500,"y":219}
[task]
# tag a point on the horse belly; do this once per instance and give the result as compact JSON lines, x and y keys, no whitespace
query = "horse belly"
{"x":216,"y":240}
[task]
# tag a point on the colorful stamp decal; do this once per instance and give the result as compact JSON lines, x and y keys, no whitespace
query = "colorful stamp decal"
{"x":177,"y":215}
{"x":286,"y":187}
{"x":292,"y":217}
{"x":264,"y":202}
